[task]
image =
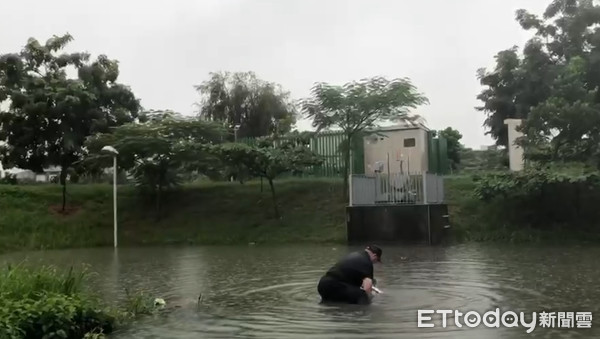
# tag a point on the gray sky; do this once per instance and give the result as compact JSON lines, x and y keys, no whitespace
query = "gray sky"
{"x":164,"y":48}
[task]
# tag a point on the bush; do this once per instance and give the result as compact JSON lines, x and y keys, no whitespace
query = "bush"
{"x":52,"y":315}
{"x":543,"y":198}
{"x":9,"y":179}
{"x":45,"y":303}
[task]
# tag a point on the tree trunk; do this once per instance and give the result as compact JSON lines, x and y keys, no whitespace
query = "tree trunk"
{"x":274,"y":199}
{"x":261,"y":183}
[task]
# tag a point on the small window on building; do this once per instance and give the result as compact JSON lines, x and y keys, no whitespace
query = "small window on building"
{"x":410,"y":142}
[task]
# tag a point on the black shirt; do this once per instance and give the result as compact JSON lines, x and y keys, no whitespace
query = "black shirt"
{"x":352,"y":268}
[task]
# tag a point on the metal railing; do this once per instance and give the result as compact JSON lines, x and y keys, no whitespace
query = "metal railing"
{"x":396,"y":189}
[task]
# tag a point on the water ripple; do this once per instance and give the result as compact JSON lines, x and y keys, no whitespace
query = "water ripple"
{"x":271,"y":292}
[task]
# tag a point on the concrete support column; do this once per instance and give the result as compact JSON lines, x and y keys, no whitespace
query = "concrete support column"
{"x":515,"y":152}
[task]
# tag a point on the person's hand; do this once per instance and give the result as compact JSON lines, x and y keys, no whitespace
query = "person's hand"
{"x":367,"y":285}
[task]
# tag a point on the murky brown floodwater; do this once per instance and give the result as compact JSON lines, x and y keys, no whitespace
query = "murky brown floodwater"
{"x":270,"y":292}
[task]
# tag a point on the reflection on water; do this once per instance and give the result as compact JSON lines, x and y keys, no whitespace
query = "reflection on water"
{"x":270,"y":292}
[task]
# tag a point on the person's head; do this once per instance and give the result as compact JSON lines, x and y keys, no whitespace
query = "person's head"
{"x":375,"y":253}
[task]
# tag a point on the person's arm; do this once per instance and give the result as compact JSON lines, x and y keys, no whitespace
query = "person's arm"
{"x":367,"y":285}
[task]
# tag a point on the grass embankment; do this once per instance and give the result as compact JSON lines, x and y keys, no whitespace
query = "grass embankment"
{"x":223,"y":213}
{"x":502,"y":220}
{"x":230,"y":213}
{"x":46,"y":303}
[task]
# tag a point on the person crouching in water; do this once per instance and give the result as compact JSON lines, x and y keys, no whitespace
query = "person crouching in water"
{"x":351,"y":279}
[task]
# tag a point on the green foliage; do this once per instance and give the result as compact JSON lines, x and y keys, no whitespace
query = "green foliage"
{"x":138,"y":303}
{"x":492,"y":159}
{"x":544,"y":198}
{"x":45,"y":303}
{"x":51,"y":316}
{"x":359,"y":106}
{"x":270,"y":158}
{"x":9,"y":179}
{"x":18,"y":282}
{"x":552,"y":86}
{"x":453,"y":137}
{"x":50,"y":115}
{"x":157,"y":150}
{"x":259,"y":107}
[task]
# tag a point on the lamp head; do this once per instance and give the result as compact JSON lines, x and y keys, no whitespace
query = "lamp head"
{"x":110,"y":149}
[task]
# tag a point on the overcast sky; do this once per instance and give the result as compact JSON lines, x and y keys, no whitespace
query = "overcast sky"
{"x":165,"y":48}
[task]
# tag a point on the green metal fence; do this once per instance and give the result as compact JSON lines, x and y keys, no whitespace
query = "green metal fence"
{"x":328,"y":144}
{"x":438,"y":154}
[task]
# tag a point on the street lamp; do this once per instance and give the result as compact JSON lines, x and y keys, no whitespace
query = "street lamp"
{"x":113,"y":151}
{"x":236,"y":128}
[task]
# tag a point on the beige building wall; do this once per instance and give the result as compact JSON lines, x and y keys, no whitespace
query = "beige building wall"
{"x":407,"y":149}
{"x":515,"y":152}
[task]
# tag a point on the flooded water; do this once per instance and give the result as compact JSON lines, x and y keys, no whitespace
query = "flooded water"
{"x":270,"y":292}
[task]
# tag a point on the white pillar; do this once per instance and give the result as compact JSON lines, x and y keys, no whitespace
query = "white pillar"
{"x":115,"y":200}
{"x":515,"y":152}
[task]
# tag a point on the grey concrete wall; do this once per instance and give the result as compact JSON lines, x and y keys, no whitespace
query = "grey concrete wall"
{"x":394,"y":224}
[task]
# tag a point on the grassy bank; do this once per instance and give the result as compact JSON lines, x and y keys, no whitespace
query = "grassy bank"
{"x":501,"y":220}
{"x":224,"y":213}
{"x":230,"y":213}
{"x":46,"y":303}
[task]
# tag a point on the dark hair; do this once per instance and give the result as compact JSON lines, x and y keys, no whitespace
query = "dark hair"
{"x":376,"y":250}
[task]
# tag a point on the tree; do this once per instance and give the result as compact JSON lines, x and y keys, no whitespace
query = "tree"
{"x":358,"y":106}
{"x":272,"y":157}
{"x":157,"y":150}
{"x":514,"y":87}
{"x":50,"y":114}
{"x":553,"y":86}
{"x":259,"y":107}
{"x":566,"y":127}
{"x":453,"y":137}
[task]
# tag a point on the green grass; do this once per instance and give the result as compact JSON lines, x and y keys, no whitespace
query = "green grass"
{"x":225,"y":213}
{"x":43,"y":302}
{"x":212,"y":213}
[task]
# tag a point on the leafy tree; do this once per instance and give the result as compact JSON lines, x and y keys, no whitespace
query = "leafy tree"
{"x":157,"y":150}
{"x":259,"y":107}
{"x":359,"y":106}
{"x":51,"y":114}
{"x":566,"y":127}
{"x":552,"y":86}
{"x":272,"y":157}
{"x":453,"y":137}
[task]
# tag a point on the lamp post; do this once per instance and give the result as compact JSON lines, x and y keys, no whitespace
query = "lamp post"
{"x":113,"y":151}
{"x":236,"y":128}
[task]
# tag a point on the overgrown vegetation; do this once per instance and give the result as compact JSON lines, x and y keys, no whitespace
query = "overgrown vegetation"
{"x":45,"y":302}
{"x":549,"y":205}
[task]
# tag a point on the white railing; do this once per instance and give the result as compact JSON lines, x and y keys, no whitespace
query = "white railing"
{"x":396,"y":189}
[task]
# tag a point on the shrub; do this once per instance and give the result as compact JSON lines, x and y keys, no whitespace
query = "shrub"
{"x":543,"y":198}
{"x":46,"y":303}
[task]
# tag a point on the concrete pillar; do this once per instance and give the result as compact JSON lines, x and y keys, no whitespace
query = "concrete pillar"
{"x":515,"y":152}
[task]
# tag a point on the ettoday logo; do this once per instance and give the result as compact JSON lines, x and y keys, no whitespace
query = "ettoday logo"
{"x":496,"y":319}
